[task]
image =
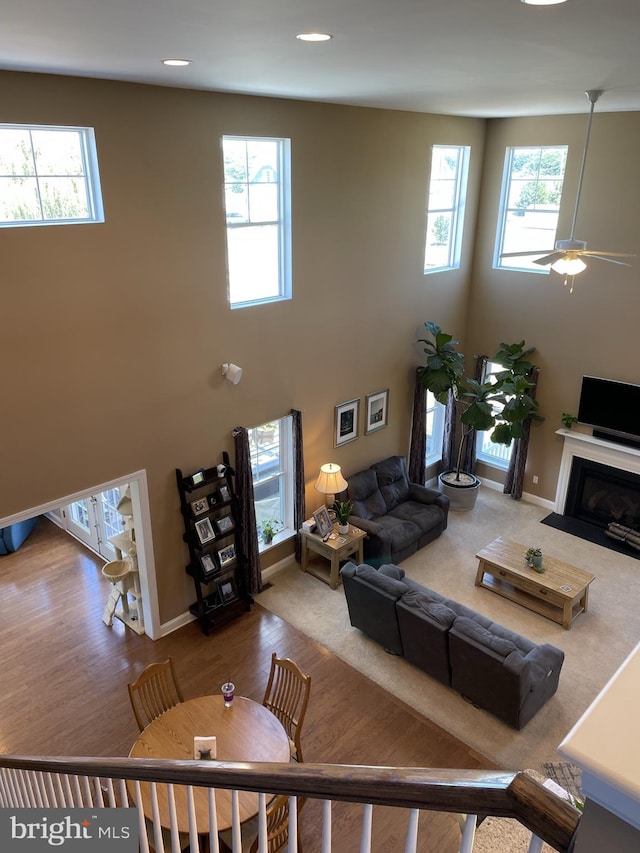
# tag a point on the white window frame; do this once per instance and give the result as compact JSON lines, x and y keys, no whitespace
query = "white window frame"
{"x":89,"y":176}
{"x":487,"y":451}
{"x":283,"y":223}
{"x":508,"y":213}
{"x":284,"y":475}
{"x":455,"y":212}
{"x":435,"y":430}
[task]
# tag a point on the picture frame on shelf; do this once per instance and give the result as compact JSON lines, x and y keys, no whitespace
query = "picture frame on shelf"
{"x":227,"y":590}
{"x":205,"y":530}
{"x":197,"y":478}
{"x":208,"y":563}
{"x":225,"y":524}
{"x":376,"y":411}
{"x":346,"y":422}
{"x":225,"y":494}
{"x":226,"y":555}
{"x":213,"y":499}
{"x":323,"y":522}
{"x":199,"y":506}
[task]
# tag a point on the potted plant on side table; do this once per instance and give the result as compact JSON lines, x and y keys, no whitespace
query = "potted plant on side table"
{"x":343,"y":510}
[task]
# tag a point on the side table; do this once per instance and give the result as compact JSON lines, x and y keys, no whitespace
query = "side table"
{"x":333,"y":550}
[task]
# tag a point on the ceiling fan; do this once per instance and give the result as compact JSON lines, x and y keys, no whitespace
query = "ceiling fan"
{"x":566,"y":257}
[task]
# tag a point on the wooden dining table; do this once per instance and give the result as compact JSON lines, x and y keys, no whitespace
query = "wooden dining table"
{"x":247,"y":731}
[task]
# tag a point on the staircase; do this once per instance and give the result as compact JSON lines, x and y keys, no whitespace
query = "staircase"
{"x":96,"y":783}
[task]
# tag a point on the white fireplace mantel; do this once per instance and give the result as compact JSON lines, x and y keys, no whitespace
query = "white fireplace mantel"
{"x":585,"y":446}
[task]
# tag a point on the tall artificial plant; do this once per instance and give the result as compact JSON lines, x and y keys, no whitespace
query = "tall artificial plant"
{"x":502,"y":405}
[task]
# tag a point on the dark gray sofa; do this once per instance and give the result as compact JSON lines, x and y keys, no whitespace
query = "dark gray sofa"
{"x":399,"y":516}
{"x":490,"y":665}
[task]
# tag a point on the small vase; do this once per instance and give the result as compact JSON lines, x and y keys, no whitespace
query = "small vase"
{"x":343,"y":528}
{"x":268,"y":540}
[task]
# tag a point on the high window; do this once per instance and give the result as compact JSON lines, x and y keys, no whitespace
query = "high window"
{"x":445,"y":207}
{"x":48,"y":176}
{"x":435,"y":428}
{"x":271,"y":448}
{"x":257,"y":196}
{"x":530,"y":205}
{"x":489,"y":451}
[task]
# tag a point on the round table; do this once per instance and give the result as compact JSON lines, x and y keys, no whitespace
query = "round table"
{"x":246,"y":731}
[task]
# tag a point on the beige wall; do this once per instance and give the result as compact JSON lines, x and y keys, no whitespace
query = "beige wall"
{"x":595,"y":329}
{"x":113,"y":335}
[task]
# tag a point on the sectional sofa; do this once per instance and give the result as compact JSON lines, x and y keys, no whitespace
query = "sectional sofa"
{"x":491,"y":666}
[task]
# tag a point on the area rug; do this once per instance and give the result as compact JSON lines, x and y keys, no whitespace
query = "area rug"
{"x":595,"y":647}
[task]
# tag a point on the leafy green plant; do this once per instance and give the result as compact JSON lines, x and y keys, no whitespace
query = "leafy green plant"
{"x":533,"y":552}
{"x":343,"y":510}
{"x":269,"y":528}
{"x":502,"y":406}
{"x":568,"y":420}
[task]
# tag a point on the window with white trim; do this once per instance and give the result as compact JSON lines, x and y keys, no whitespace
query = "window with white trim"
{"x":529,"y":205}
{"x":445,"y":207}
{"x":48,"y":176}
{"x":257,"y":200}
{"x":271,"y":448}
{"x":435,"y":428}
{"x":489,"y":451}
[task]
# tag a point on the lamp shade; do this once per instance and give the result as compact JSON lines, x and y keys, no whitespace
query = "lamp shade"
{"x":330,"y":480}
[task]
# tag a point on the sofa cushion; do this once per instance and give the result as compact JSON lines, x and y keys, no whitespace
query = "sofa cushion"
{"x":366,"y":496}
{"x":430,"y":607}
{"x":383,"y":582}
{"x":393,"y":480}
{"x":484,"y":636}
{"x":392,"y":571}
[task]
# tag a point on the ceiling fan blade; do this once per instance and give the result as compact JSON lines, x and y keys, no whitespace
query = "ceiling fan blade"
{"x":608,"y":254}
{"x":523,"y":254}
{"x":549,"y":259}
{"x":609,"y":260}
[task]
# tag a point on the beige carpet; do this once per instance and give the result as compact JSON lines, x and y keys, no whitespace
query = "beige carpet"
{"x":596,"y":645}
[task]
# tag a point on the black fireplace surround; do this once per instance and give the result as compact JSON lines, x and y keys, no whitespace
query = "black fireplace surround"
{"x":600,"y":494}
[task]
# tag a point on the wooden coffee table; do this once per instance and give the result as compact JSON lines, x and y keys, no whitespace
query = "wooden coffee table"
{"x":560,"y":593}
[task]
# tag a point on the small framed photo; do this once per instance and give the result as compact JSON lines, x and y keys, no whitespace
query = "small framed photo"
{"x":197,"y":478}
{"x":208,"y":563}
{"x":225,"y":494}
{"x":227,"y":590}
{"x":376,"y":408}
{"x":212,"y":499}
{"x":321,"y":518}
{"x":199,"y":506}
{"x":227,"y":555}
{"x":225,"y":524}
{"x":205,"y":530}
{"x":346,"y":427}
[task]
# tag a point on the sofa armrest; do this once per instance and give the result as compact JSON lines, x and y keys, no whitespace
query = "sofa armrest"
{"x":369,"y":526}
{"x":546,"y":662}
{"x":427,"y":495}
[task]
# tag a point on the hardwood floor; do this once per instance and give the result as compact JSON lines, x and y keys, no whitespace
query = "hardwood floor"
{"x":64,"y":677}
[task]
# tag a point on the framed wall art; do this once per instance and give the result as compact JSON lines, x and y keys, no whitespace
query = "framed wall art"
{"x":199,"y":506}
{"x":346,"y":428}
{"x":376,"y":411}
{"x":205,"y":530}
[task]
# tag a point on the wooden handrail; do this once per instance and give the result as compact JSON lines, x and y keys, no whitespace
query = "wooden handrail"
{"x":502,"y":794}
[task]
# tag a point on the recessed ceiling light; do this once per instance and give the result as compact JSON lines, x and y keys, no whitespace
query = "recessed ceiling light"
{"x":542,"y":2}
{"x":176,"y":62}
{"x":314,"y":36}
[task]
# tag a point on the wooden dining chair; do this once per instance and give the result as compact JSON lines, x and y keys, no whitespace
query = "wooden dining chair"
{"x":277,"y":826}
{"x":154,"y":691}
{"x":287,"y":696}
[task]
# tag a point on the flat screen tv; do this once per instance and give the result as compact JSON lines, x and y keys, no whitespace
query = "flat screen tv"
{"x":610,"y":406}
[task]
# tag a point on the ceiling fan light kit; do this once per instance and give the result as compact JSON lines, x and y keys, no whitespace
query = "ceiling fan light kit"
{"x":566,"y":257}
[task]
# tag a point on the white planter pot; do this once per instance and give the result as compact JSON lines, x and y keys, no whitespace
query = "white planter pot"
{"x":462,"y":493}
{"x":343,"y":528}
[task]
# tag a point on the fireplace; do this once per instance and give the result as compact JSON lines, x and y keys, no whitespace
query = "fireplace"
{"x":601,"y":494}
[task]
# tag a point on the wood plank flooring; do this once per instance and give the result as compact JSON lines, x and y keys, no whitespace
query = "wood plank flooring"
{"x":64,"y":674}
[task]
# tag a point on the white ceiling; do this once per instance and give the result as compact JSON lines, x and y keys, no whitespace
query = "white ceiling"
{"x":460,"y":57}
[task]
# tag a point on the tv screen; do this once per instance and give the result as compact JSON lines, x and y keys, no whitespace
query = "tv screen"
{"x":609,"y":405}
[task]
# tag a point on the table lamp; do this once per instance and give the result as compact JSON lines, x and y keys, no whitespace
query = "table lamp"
{"x":330,"y":482}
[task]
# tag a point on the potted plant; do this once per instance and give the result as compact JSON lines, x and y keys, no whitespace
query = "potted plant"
{"x":343,"y":510}
{"x":534,"y":559}
{"x":568,"y":419}
{"x":502,"y":406}
{"x":269,"y":529}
